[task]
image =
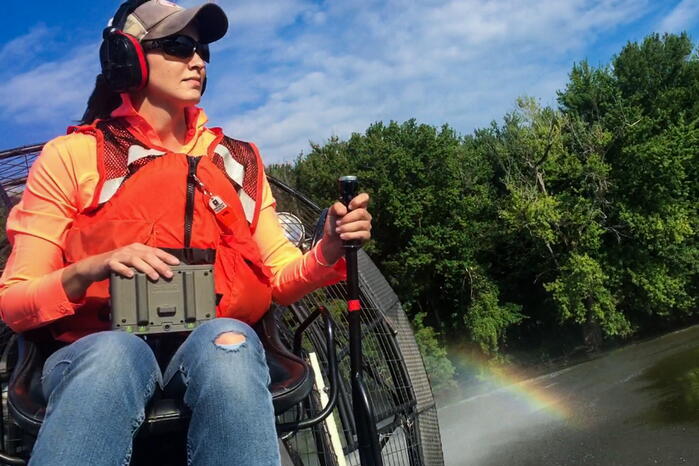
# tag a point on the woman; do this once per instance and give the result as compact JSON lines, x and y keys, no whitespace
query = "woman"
{"x":132,"y":189}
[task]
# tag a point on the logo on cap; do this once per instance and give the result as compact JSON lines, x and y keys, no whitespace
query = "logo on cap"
{"x":170,"y":4}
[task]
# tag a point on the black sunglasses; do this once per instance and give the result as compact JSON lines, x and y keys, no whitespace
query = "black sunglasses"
{"x":178,"y":46}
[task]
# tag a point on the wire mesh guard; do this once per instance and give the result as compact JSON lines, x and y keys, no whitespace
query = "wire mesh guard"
{"x":14,"y":167}
{"x":393,"y":370}
{"x":394,"y":373}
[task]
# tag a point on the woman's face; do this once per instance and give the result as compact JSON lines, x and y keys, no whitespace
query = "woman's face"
{"x":175,"y":80}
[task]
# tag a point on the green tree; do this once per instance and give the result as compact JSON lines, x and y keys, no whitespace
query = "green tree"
{"x":648,"y":100}
{"x":433,"y":210}
{"x":554,"y":210}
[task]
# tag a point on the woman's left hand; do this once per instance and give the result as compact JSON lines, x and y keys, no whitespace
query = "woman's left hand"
{"x":344,"y":226}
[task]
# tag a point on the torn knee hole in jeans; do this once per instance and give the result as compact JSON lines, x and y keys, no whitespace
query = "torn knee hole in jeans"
{"x":230,"y":341}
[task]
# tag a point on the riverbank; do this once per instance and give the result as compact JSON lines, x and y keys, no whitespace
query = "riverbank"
{"x":476,"y":374}
{"x":638,"y":404}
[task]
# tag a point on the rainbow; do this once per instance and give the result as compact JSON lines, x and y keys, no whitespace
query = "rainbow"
{"x":535,"y":394}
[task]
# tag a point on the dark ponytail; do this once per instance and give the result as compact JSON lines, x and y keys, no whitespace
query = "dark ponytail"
{"x":101,"y":103}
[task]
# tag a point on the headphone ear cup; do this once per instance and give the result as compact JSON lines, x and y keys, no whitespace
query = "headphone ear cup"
{"x":123,"y":62}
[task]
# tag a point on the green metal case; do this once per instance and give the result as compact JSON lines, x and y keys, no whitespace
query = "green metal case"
{"x":140,"y":305}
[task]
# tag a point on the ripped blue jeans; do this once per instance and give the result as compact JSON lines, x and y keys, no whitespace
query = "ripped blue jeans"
{"x":98,"y":388}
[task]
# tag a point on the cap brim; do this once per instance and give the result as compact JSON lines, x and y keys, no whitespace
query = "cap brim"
{"x":212,"y":23}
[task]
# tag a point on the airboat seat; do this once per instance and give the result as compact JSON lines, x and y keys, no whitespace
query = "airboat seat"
{"x":292,"y":381}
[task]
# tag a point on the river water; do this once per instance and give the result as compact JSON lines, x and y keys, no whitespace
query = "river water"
{"x":638,"y":405}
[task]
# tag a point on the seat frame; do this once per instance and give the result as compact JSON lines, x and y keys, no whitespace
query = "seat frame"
{"x":292,"y":383}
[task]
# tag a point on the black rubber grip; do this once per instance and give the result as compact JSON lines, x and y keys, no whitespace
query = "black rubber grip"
{"x":348,"y":186}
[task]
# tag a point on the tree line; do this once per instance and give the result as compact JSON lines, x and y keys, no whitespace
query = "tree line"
{"x":557,"y":228}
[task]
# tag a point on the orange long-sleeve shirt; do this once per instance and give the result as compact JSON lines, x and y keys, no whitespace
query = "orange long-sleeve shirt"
{"x":62,"y":183}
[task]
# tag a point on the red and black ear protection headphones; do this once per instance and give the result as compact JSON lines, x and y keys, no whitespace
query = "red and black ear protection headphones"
{"x":123,"y":60}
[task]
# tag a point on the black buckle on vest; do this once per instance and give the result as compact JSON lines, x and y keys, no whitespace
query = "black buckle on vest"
{"x":193,"y":256}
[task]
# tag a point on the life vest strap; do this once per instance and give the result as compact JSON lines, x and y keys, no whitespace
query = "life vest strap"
{"x":193,"y":256}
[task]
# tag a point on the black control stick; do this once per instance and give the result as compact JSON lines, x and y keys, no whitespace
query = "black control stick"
{"x":367,"y":437}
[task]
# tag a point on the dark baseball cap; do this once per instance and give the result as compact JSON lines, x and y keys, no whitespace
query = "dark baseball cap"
{"x":156,"y":19}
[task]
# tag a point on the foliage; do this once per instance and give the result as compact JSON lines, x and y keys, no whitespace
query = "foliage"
{"x":438,"y":366}
{"x":652,"y":110}
{"x":582,"y":295}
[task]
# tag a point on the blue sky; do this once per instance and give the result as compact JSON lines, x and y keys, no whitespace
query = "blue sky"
{"x":293,"y":71}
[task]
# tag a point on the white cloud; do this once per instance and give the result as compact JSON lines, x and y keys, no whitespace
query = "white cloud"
{"x":462,"y":62}
{"x":290,"y":71}
{"x":257,"y":22}
{"x":50,"y":92}
{"x":18,"y":51}
{"x":681,"y":17}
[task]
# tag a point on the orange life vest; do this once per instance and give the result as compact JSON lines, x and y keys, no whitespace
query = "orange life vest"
{"x":150,"y":196}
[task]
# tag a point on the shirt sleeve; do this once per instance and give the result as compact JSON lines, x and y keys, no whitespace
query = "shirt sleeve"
{"x":31,"y":290}
{"x":294,"y":274}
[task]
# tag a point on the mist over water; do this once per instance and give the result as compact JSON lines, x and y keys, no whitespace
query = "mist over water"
{"x":634,"y":406}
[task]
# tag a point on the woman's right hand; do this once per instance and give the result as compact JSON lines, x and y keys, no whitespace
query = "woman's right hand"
{"x":152,"y":261}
